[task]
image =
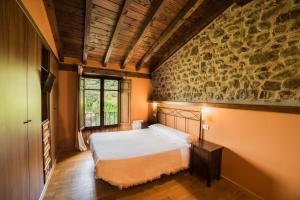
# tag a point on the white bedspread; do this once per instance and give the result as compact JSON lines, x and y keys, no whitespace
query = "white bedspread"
{"x":128,"y":158}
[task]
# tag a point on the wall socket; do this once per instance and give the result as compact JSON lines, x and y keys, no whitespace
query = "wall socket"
{"x":205,"y":127}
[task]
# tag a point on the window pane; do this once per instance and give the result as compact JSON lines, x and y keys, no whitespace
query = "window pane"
{"x":92,"y":108}
{"x":110,"y":107}
{"x":111,"y":84}
{"x":91,"y":83}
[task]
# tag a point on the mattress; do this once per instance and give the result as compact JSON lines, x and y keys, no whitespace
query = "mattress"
{"x":128,"y":158}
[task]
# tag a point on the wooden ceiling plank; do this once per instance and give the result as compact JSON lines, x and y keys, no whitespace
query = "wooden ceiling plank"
{"x":177,"y":4}
{"x":103,"y":12}
{"x":97,"y":41}
{"x":117,"y":29}
{"x":155,"y":8}
{"x":136,"y":15}
{"x":109,"y":5}
{"x":69,"y":9}
{"x":99,"y":30}
{"x":69,"y":3}
{"x":87,"y":23}
{"x":183,"y":15}
{"x":69,"y":18}
{"x":71,"y":40}
{"x":93,"y":46}
{"x":50,"y":9}
{"x":102,"y":26}
{"x":140,"y":8}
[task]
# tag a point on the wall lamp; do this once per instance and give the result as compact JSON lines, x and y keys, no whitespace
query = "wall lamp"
{"x":154,"y":111}
{"x":204,"y":126}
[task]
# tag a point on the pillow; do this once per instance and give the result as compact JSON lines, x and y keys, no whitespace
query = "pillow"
{"x":180,"y":134}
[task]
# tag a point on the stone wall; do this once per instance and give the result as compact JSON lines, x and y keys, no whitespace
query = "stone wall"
{"x":248,"y":55}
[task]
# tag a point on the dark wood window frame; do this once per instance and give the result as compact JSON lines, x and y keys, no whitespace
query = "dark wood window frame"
{"x":102,"y":90}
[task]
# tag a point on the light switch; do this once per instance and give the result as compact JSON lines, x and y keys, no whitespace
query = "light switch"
{"x":205,"y":127}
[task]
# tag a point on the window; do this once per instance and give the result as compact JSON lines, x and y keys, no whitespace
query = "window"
{"x":100,"y":98}
{"x":92,"y":100}
{"x":111,"y":102}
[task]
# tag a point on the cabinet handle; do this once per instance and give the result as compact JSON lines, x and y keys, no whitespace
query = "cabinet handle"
{"x":26,"y":122}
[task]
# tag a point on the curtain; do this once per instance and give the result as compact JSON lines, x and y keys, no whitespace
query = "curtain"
{"x":79,"y":141}
{"x":125,"y":94}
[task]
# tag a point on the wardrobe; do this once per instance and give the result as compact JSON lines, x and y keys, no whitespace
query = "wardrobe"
{"x":21,"y":163}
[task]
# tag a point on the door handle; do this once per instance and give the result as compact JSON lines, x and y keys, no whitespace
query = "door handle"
{"x":26,"y":122}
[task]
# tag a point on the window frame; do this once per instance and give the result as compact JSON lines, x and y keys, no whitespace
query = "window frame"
{"x":114,"y":90}
{"x":102,"y":89}
{"x":84,"y":96}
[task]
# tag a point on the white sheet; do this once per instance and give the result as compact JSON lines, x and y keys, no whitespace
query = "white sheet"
{"x":128,"y":158}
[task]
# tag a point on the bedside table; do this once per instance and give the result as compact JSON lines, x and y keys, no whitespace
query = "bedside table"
{"x":205,"y":160}
{"x":146,"y":124}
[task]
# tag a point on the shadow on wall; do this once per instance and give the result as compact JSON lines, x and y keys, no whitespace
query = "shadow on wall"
{"x":234,"y":168}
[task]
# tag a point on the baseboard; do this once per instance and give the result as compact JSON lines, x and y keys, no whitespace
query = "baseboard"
{"x":244,"y":189}
{"x":48,"y":181}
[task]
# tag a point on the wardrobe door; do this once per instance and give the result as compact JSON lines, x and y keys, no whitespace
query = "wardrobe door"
{"x":54,"y":107}
{"x":14,"y":181}
{"x":34,"y":113}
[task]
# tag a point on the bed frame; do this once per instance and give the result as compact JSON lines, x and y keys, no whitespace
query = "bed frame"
{"x":189,"y":117}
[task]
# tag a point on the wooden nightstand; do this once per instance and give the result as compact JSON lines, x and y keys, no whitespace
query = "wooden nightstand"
{"x":206,"y":160}
{"x":146,"y":124}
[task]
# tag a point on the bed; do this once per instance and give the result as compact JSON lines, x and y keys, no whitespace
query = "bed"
{"x":128,"y":158}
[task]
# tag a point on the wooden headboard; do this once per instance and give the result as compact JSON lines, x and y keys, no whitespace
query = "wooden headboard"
{"x":188,"y":121}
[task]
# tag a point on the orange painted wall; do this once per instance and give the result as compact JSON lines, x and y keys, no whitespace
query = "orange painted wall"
{"x":38,"y":12}
{"x":262,"y":150}
{"x":140,"y":91}
{"x":67,"y":110}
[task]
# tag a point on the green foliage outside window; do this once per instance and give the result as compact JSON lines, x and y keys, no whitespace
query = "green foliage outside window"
{"x":92,"y":101}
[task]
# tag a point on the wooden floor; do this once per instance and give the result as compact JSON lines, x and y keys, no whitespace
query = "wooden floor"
{"x":73,"y":178}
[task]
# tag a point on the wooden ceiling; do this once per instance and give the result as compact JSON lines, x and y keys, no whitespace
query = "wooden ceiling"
{"x":128,"y":32}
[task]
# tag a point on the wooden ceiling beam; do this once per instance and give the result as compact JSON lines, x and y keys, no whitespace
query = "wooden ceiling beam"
{"x":104,"y":72}
{"x":183,"y":15}
{"x":87,"y":23}
{"x":117,"y":30}
{"x":153,"y":13}
{"x":50,"y":9}
{"x":115,"y":73}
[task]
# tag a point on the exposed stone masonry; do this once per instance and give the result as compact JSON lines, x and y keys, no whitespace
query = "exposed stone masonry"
{"x":249,"y":55}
